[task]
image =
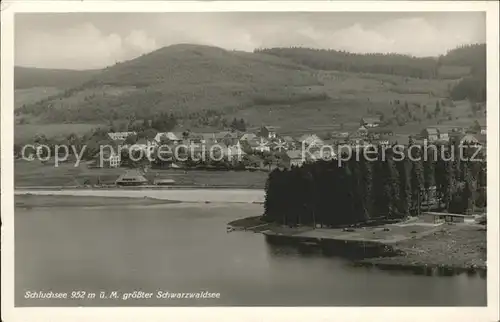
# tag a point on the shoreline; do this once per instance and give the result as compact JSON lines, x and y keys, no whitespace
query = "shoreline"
{"x":29,"y":201}
{"x":196,"y":195}
{"x":443,"y":250}
{"x":142,"y":187}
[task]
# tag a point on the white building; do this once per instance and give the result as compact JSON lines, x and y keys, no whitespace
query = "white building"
{"x":120,"y":136}
{"x":167,"y":135}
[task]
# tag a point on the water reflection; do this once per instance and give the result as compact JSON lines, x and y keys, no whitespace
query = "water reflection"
{"x":187,"y":249}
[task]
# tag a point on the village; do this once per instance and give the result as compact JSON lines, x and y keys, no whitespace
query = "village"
{"x":266,"y":148}
{"x":129,"y":155}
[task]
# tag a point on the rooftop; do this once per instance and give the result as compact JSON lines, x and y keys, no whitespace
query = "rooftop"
{"x":371,"y":119}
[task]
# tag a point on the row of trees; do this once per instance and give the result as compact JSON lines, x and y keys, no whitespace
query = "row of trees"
{"x":328,"y":59}
{"x":472,"y":87}
{"x":329,"y":193}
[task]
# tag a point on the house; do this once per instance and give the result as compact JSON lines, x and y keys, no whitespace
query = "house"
{"x":290,"y":142}
{"x":376,"y":132}
{"x":247,"y":137}
{"x":368,"y":122}
{"x":440,"y":217}
{"x":226,"y":137}
{"x":268,"y":132}
{"x":293,"y":158}
{"x":481,"y":138}
{"x":148,"y":147}
{"x":131,"y":178}
{"x":362,"y":130}
{"x":469,"y":140}
{"x":310,"y":140}
{"x":115,"y":136}
{"x":110,"y":160}
{"x":356,"y":141}
{"x":432,"y":217}
{"x":167,"y":136}
{"x":324,"y":153}
{"x":259,"y":145}
{"x":430,"y":134}
{"x":113,"y":161}
{"x":235,"y":152}
{"x":445,"y":131}
{"x":384,"y":140}
{"x":444,"y":136}
{"x":202,"y":138}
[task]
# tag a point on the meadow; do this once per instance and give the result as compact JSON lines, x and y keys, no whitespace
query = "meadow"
{"x":35,"y":173}
{"x":352,"y":95}
{"x":34,"y":94}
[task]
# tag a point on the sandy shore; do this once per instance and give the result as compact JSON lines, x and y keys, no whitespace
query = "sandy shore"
{"x":31,"y":201}
{"x":185,"y":195}
{"x":454,"y":246}
{"x":457,"y":247}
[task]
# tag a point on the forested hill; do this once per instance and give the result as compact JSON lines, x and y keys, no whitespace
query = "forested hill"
{"x":28,"y":77}
{"x":472,"y":86}
{"x":472,"y":56}
{"x":187,"y":79}
{"x":180,"y":78}
{"x":329,"y":59}
{"x":467,"y":62}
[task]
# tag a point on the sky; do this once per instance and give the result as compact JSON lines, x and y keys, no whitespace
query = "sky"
{"x":97,"y":40}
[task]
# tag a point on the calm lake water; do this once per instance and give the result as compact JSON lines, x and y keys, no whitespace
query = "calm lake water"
{"x":185,"y":248}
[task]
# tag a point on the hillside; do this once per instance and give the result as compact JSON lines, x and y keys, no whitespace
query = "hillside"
{"x":179,"y":78}
{"x":34,"y":84}
{"x":200,"y":83}
{"x":328,"y":59}
{"x":28,"y":77}
{"x":473,"y":86}
{"x":467,"y":62}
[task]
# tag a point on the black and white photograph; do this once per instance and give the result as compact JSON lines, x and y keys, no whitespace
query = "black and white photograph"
{"x":268,"y":158}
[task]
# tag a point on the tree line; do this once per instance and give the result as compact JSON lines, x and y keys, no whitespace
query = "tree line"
{"x":472,"y":87}
{"x":327,"y":193}
{"x":328,"y":59}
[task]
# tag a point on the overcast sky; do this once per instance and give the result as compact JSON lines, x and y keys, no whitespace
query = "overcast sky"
{"x":89,"y":40}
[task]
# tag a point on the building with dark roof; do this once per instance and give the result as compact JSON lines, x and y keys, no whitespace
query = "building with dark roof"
{"x":131,"y":178}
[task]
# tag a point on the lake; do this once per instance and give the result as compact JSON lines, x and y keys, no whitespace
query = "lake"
{"x":183,"y":248}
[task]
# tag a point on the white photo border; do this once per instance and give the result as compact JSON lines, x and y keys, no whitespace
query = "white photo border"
{"x":11,"y":313}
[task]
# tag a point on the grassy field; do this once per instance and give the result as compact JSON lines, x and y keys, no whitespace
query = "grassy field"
{"x":34,"y":173}
{"x":33,"y":94}
{"x":351,"y":95}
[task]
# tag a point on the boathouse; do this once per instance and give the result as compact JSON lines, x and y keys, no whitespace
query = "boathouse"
{"x":442,"y":217}
{"x":131,"y":178}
